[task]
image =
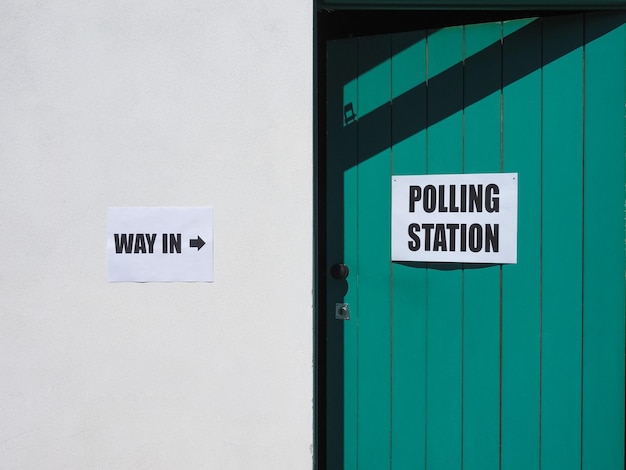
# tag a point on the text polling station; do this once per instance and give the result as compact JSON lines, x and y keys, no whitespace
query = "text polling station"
{"x":463,"y":218}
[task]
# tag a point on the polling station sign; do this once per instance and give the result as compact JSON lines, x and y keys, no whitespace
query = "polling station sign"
{"x":463,"y":218}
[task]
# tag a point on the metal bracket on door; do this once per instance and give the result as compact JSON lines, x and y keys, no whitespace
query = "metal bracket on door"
{"x":342,"y":311}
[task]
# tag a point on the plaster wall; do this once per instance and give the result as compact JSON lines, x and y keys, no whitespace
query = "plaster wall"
{"x":155,"y":103}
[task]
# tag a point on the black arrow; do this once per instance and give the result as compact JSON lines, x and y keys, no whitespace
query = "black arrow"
{"x":196,"y":243}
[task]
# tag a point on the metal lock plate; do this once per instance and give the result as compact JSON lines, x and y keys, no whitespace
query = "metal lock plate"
{"x":342,"y":311}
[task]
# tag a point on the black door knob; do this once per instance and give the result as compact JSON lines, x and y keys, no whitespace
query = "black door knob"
{"x":339,"y":271}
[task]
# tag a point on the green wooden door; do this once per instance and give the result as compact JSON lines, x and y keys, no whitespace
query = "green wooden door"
{"x":447,"y":366}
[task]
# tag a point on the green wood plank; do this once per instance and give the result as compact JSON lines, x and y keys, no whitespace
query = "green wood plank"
{"x":374,"y":192}
{"x":341,"y":235}
{"x":521,"y":301}
{"x":444,"y":298}
{"x":603,"y":358}
{"x":408,"y":373}
{"x":561,"y":245}
{"x":481,"y":285}
{"x":350,"y":327}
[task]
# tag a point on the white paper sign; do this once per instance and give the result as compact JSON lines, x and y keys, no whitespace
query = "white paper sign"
{"x":160,"y":244}
{"x":467,"y":218}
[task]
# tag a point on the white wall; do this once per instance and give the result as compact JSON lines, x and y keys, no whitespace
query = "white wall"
{"x":155,"y":103}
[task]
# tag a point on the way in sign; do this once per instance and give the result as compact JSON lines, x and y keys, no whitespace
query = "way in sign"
{"x":144,"y":243}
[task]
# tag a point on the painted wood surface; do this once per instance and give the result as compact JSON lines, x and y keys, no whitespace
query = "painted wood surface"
{"x":521,"y":283}
{"x":482,"y":147}
{"x":444,"y":331}
{"x":480,"y":367}
{"x":409,"y":300}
